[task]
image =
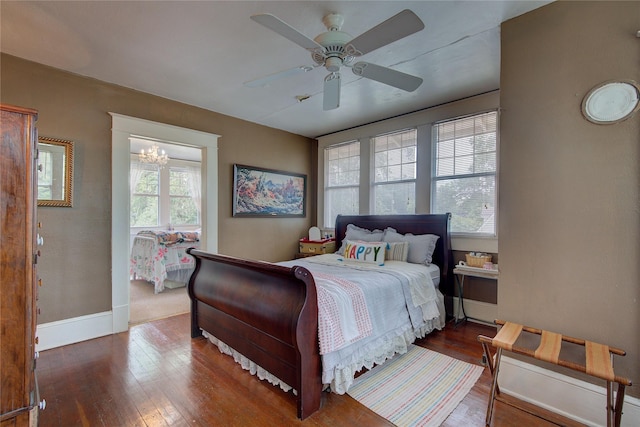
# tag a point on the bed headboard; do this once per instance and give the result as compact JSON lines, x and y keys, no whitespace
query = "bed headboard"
{"x":438,"y":224}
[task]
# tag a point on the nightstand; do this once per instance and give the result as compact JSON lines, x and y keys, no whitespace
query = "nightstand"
{"x":304,"y":255}
{"x":460,"y":273}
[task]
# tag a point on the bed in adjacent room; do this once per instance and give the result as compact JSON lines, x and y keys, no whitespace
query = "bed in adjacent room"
{"x":160,"y":257}
{"x":313,"y":323}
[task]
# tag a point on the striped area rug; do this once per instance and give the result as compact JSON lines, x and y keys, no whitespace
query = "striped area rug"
{"x":418,"y":388}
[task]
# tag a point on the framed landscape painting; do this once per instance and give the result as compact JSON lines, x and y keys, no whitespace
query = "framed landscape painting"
{"x":261,"y":192}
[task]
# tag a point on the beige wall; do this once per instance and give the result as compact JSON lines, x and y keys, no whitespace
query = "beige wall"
{"x":569,"y":190}
{"x":76,"y":262}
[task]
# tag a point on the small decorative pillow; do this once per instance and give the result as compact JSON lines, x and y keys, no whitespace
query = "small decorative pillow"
{"x":421,"y":246}
{"x":397,"y":251}
{"x":355,"y":233}
{"x":368,"y":252}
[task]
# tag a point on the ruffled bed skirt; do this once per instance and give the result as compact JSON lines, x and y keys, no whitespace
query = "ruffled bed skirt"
{"x":340,"y":377}
{"x":247,"y":364}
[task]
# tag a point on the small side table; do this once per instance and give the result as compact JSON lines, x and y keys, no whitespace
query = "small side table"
{"x":303,"y":255}
{"x":460,"y":272}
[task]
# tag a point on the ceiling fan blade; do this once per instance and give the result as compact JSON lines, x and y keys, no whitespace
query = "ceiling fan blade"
{"x":387,"y":76}
{"x":398,"y":26}
{"x":263,"y":81}
{"x":331,"y":97}
{"x":285,"y":30}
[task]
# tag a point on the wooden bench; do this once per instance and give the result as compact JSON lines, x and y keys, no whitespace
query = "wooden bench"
{"x":597,"y":362}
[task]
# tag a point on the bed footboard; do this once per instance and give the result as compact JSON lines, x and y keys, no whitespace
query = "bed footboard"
{"x":267,"y":312}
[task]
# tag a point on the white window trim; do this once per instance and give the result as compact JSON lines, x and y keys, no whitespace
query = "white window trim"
{"x":422,"y":120}
{"x":433,"y":179}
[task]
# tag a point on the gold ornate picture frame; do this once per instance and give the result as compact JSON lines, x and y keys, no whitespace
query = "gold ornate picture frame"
{"x":55,"y":172}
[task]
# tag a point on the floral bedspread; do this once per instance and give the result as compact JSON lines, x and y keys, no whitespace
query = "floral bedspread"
{"x":153,"y":256}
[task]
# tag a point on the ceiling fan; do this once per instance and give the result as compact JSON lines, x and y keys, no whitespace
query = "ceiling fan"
{"x":335,"y":49}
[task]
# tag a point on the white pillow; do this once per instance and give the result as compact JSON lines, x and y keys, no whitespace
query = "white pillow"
{"x":372,"y":253}
{"x":355,"y":233}
{"x":421,"y":246}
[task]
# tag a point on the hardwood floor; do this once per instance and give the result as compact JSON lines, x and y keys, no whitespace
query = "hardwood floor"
{"x":156,"y":375}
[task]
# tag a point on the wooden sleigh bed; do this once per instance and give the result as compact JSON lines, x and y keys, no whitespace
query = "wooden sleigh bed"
{"x":269,"y":312}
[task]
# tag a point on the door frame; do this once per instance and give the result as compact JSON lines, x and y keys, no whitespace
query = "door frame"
{"x":123,"y":127}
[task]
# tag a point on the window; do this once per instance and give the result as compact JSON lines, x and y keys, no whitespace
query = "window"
{"x":394,"y":183}
{"x":464,"y":172}
{"x":183,"y":209}
{"x":168,"y":196}
{"x":342,"y":180}
{"x":145,"y":196}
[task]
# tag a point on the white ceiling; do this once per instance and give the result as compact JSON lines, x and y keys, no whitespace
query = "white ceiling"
{"x":201,"y":53}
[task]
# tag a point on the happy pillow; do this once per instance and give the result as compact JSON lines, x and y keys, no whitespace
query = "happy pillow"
{"x":372,"y":253}
{"x":355,"y":233}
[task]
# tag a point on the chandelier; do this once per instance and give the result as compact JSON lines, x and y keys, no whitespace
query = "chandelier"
{"x":153,"y":155}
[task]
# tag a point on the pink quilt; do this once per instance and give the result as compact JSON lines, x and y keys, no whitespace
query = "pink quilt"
{"x":343,"y":317}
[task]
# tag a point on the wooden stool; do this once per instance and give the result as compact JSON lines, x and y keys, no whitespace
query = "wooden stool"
{"x":598,"y":362}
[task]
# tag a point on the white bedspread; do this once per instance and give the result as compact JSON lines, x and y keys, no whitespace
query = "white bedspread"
{"x":402,"y":302}
{"x":403,"y":305}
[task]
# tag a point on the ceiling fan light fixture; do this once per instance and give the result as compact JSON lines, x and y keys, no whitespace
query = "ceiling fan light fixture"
{"x":333,"y":63}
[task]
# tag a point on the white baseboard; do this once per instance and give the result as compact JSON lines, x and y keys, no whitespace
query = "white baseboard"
{"x":483,"y":311}
{"x":77,"y":329}
{"x":567,"y":396}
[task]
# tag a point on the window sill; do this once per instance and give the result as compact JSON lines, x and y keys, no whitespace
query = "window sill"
{"x":474,"y":244}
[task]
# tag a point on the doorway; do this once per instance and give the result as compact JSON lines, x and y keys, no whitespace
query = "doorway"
{"x":165,"y":220}
{"x":123,"y":129}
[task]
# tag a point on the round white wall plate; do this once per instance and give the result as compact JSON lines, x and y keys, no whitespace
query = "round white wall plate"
{"x":611,"y":102}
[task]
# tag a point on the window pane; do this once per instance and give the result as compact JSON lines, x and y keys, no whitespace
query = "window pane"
{"x":464,"y":146}
{"x":445,"y":149}
{"x":394,"y":157}
{"x":381,"y":158}
{"x":340,"y":201}
{"x":409,"y":154}
{"x":397,"y":153}
{"x":408,"y":171}
{"x":144,"y":211}
{"x":145,"y":200}
{"x":394,"y":173}
{"x":444,"y":167}
{"x":342,"y":178}
{"x":148,"y":183}
{"x":183,"y":211}
{"x":178,"y":182}
{"x":471,"y":202}
{"x":395,"y":198}
{"x":342,"y":165}
{"x":381,"y":175}
{"x":485,"y":162}
{"x":464,"y":165}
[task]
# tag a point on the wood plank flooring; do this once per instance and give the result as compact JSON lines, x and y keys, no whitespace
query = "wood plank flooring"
{"x":156,"y":375}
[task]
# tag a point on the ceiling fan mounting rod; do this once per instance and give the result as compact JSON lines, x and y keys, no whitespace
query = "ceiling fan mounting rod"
{"x":333,"y":21}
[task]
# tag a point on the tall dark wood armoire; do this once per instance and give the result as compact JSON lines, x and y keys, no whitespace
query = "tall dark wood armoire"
{"x":18,"y":256}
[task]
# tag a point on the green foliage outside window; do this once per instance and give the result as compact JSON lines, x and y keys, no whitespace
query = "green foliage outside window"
{"x":183,"y":210}
{"x":144,"y":201}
